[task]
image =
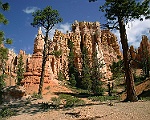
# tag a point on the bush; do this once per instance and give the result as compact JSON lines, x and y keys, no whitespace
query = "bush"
{"x":72,"y":80}
{"x":64,"y":96}
{"x":144,"y":98}
{"x":2,"y":84}
{"x":61,"y":76}
{"x":103,"y":98}
{"x":86,"y":83}
{"x":7,"y":112}
{"x":139,"y":79}
{"x":57,"y":53}
{"x":117,"y":69}
{"x":71,"y":101}
{"x":36,"y":95}
{"x":56,"y":102}
{"x":45,"y":105}
{"x":98,"y":90}
{"x":54,"y":105}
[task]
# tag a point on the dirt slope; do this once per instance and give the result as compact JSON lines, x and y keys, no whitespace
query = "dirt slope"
{"x":119,"y":111}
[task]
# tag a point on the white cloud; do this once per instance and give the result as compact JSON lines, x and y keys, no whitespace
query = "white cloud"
{"x":29,"y":10}
{"x":135,"y":30}
{"x":64,"y":27}
{"x":61,"y":27}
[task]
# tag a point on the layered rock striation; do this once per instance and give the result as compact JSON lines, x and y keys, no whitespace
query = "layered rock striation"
{"x":102,"y":42}
{"x":34,"y":64}
{"x":89,"y":35}
{"x":83,"y":34}
{"x":141,"y":55}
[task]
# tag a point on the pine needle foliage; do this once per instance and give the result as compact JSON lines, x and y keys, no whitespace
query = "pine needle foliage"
{"x":3,"y":50}
{"x":119,"y":13}
{"x":20,"y":70}
{"x":46,"y":18}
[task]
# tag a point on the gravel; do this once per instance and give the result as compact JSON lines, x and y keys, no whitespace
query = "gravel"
{"x":117,"y":111}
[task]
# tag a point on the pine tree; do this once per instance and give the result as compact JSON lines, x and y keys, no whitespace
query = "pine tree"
{"x":119,"y":13}
{"x":72,"y":80}
{"x":45,"y":18}
{"x":3,"y":50}
{"x":20,"y":70}
{"x":86,"y":82}
{"x":117,"y":69}
{"x":96,"y":75}
{"x":73,"y":72}
{"x":3,"y":40}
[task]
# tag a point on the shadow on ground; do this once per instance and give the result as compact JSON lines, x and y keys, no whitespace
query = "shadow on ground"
{"x":19,"y":107}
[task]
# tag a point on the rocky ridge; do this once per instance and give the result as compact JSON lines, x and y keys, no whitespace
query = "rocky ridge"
{"x":83,"y":34}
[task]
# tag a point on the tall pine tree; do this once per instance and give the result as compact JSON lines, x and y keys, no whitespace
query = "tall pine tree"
{"x":119,"y":13}
{"x":96,"y":75}
{"x":20,"y":70}
{"x":3,"y":50}
{"x":73,"y":72}
{"x":46,"y":18}
{"x":86,"y":82}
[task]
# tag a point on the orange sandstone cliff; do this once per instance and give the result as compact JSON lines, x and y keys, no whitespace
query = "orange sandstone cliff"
{"x":83,"y":34}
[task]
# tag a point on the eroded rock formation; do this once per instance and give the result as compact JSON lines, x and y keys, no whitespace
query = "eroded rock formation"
{"x":34,"y":64}
{"x":103,"y":42}
{"x":141,"y":54}
{"x":83,"y":34}
{"x":89,"y":35}
{"x":11,"y":65}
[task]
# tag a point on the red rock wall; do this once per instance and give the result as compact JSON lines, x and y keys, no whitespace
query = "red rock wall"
{"x":86,"y":34}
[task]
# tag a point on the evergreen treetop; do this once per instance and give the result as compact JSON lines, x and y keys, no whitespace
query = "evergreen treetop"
{"x":126,"y":10}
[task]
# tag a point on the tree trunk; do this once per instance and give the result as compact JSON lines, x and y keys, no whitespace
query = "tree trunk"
{"x":147,"y":62}
{"x":43,"y":64}
{"x":130,"y":87}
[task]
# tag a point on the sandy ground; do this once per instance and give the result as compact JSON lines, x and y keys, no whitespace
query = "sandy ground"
{"x":119,"y":111}
{"x":100,"y":111}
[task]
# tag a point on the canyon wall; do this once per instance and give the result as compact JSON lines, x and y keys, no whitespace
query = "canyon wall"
{"x":83,"y":34}
{"x":141,"y":55}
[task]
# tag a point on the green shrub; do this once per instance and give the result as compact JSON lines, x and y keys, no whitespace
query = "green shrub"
{"x":57,"y":53}
{"x":98,"y":90}
{"x":144,"y":98}
{"x":64,"y":96}
{"x":117,"y":69}
{"x":79,"y":102}
{"x":81,"y":91}
{"x":36,"y":95}
{"x":73,"y":101}
{"x":97,"y":98}
{"x":56,"y":102}
{"x":2,"y":84}
{"x":139,"y":79}
{"x":61,"y":76}
{"x":45,"y":105}
{"x":103,"y":98}
{"x":7,"y":112}
{"x":72,"y":80}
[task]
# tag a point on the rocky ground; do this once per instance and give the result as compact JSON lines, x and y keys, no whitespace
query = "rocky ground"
{"x":103,"y":111}
{"x":31,"y":110}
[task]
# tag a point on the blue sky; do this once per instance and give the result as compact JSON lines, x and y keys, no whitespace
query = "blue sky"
{"x":23,"y":34}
